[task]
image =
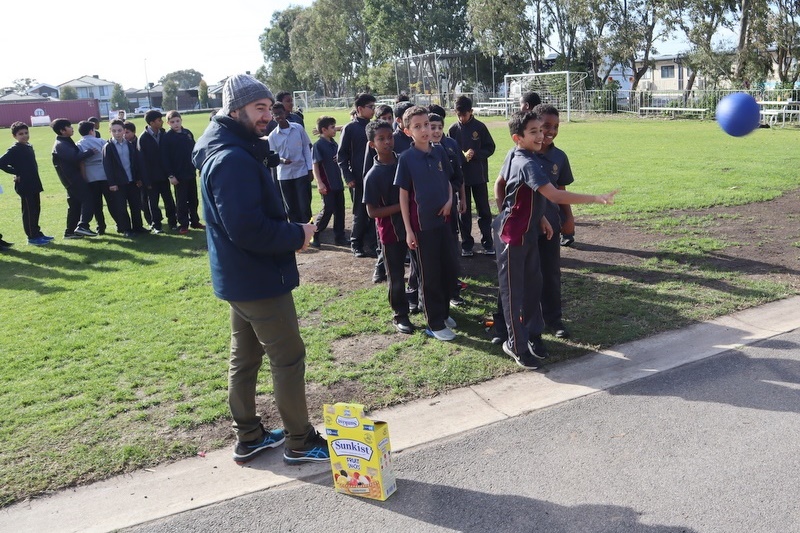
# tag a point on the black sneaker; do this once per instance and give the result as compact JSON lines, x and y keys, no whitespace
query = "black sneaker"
{"x":497,"y":337}
{"x":314,"y":242}
{"x":559,"y":330}
{"x":567,"y":240}
{"x":358,"y":252}
{"x":525,"y":361}
{"x":85,"y":232}
{"x":489,"y":251}
{"x":403,"y":325}
{"x":245,"y":451}
{"x":5,"y":244}
{"x":467,"y":253}
{"x":537,"y":348}
{"x":379,"y":275}
{"x":457,"y":301}
{"x":72,"y":236}
{"x":313,"y":450}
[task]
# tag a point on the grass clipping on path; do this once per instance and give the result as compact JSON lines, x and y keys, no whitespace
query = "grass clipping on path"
{"x":113,"y":353}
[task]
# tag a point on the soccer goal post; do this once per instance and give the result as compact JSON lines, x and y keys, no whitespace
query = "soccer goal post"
{"x":564,"y":90}
{"x":300,"y":99}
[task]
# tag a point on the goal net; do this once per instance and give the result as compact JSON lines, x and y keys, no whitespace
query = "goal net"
{"x":300,"y":99}
{"x":564,"y":90}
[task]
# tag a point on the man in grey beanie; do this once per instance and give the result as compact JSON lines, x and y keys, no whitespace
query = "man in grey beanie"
{"x":251,"y":248}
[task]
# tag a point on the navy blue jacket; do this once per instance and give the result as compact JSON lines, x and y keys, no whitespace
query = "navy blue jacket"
{"x":152,"y":170}
{"x":475,"y":135}
{"x":352,"y":150}
{"x":20,"y":161}
{"x":251,"y":245}
{"x":67,"y":159}
{"x":112,"y":164}
{"x":176,"y":154}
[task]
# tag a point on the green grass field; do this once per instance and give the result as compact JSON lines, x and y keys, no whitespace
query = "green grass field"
{"x":113,"y":351}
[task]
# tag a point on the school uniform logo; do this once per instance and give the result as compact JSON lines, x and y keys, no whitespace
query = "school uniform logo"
{"x":554,"y":171}
{"x":475,"y":135}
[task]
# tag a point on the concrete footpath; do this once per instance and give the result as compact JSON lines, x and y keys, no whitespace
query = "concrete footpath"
{"x":150,"y":494}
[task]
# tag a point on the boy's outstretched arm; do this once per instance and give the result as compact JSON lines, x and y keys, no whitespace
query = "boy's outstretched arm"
{"x":564,"y":197}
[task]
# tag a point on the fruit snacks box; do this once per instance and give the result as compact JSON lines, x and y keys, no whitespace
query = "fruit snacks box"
{"x":361,"y":455}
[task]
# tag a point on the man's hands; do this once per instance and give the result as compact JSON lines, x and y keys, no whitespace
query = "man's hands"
{"x":308,"y":230}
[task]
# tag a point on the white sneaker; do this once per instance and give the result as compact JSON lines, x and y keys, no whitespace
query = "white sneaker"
{"x":445,"y":334}
{"x":450,"y":323}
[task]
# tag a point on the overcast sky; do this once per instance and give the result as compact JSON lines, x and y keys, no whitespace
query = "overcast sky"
{"x":118,"y":40}
{"x":131,"y":43}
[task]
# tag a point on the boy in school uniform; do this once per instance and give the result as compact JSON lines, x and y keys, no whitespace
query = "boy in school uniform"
{"x":20,"y":161}
{"x":121,"y":165}
{"x":176,"y":156}
{"x":426,"y":198}
{"x":457,"y":182}
{"x":67,"y":158}
{"x":329,"y":182}
{"x":556,"y":165}
{"x":95,"y":174}
{"x":517,"y":229}
{"x":350,"y":157}
{"x":382,"y":198}
{"x":477,"y":144}
{"x":154,"y":178}
{"x":402,"y":142}
{"x":296,"y":171}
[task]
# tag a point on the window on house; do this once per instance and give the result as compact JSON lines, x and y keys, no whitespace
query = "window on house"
{"x":668,"y":72}
{"x":103,"y":91}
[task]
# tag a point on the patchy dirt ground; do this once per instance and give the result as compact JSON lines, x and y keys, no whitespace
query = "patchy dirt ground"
{"x":767,"y":233}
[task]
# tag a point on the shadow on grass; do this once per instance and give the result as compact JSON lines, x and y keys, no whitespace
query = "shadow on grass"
{"x":34,"y":269}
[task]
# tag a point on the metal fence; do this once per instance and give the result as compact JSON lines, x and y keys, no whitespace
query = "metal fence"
{"x":672,"y":103}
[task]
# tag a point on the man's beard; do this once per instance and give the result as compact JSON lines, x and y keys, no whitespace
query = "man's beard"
{"x":245,"y":121}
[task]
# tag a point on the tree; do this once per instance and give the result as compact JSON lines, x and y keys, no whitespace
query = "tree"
{"x":700,"y":20}
{"x":279,"y":70}
{"x":637,"y":26}
{"x":185,"y":79}
{"x":170,"y":95}
{"x":504,"y":28}
{"x":331,"y":69}
{"x":753,"y":62}
{"x":202,"y":94}
{"x":118,"y":98}
{"x":784,"y":25}
{"x":21,"y":85}
{"x":427,"y":29}
{"x":68,"y":92}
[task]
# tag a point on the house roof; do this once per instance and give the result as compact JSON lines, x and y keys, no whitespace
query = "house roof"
{"x":86,"y":81}
{"x":14,"y":97}
{"x":40,"y":86}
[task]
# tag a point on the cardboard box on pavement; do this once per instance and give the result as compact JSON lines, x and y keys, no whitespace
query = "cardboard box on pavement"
{"x":361,"y":455}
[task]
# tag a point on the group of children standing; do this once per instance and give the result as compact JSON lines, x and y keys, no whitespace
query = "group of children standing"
{"x":418,"y":186}
{"x":132,"y":174}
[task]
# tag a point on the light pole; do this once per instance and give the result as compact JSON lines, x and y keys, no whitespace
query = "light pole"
{"x":147,"y":83}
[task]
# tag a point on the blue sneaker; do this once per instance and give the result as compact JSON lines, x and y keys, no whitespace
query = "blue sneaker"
{"x":38,"y":241}
{"x":46,"y":237}
{"x":245,"y":451}
{"x":313,"y":450}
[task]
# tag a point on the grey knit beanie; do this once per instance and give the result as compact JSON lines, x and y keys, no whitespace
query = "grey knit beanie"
{"x":240,"y":90}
